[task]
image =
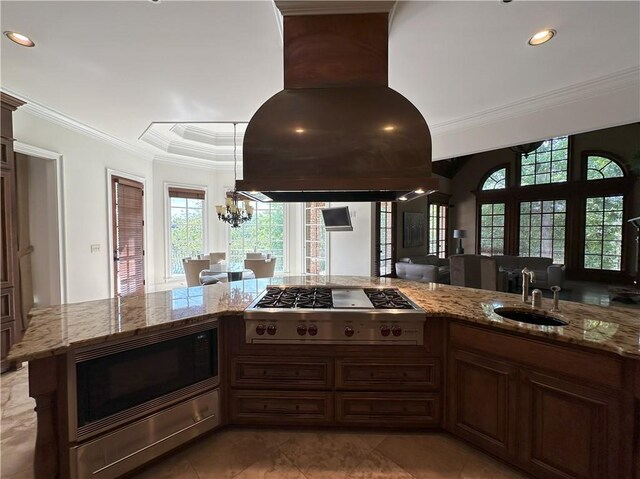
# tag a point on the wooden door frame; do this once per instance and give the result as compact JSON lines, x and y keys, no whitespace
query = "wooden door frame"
{"x":110,"y":243}
{"x":35,"y":151}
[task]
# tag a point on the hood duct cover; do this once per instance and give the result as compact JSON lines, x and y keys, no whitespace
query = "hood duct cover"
{"x":337,"y":132}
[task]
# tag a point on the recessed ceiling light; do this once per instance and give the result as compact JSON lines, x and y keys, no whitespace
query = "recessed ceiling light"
{"x":419,"y":191}
{"x":403,"y":198}
{"x":389,"y":128}
{"x":299,"y":130}
{"x":541,"y":37}
{"x":20,"y":39}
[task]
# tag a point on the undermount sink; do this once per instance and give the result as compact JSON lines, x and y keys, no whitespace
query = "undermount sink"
{"x":530,"y":317}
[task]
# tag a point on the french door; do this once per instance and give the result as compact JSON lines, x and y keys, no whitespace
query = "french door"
{"x":128,"y":236}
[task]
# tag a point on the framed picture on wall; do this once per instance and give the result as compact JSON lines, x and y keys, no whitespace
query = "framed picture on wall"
{"x":412,"y":229}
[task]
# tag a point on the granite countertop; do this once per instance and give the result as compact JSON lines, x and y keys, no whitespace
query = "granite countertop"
{"x":54,"y":330}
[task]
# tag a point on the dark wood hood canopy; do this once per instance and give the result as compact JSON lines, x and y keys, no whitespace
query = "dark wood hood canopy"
{"x":336,"y":132}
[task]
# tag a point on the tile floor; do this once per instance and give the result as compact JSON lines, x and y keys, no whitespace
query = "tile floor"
{"x":269,"y":453}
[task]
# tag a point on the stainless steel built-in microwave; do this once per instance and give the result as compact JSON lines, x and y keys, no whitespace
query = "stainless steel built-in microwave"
{"x":118,"y":382}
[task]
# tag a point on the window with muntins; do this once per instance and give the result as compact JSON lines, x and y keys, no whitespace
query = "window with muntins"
{"x":315,"y":238}
{"x":547,"y":164}
{"x":384,"y":264}
{"x":264,"y":233}
{"x":542,"y":229}
{"x":601,"y":168}
{"x":603,"y":232}
{"x":188,"y":224}
{"x":438,"y":230}
{"x":496,"y":180}
{"x":492,"y":216}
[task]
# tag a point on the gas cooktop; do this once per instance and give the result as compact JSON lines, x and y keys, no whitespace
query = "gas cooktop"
{"x":323,"y":314}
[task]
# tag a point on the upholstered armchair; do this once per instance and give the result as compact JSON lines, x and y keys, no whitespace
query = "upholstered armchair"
{"x":477,"y":271}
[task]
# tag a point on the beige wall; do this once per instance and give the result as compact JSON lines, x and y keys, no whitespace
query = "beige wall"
{"x":419,"y":205}
{"x":622,"y":141}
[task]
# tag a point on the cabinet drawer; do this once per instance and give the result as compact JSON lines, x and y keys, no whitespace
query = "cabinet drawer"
{"x":387,"y":374}
{"x":6,"y":305}
{"x":281,"y":407}
{"x":388,"y":409}
{"x":275,"y":373}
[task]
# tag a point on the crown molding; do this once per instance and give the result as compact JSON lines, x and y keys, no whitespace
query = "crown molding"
{"x":54,"y":116}
{"x":622,"y":79}
{"x":192,"y":162}
{"x":322,"y":7}
{"x":32,"y":150}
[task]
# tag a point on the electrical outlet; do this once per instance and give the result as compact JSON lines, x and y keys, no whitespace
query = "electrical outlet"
{"x":95,"y":248}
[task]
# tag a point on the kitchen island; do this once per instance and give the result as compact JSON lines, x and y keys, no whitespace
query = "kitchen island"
{"x":554,"y":401}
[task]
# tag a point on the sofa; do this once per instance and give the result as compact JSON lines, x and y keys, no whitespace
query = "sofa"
{"x":547,"y":273}
{"x":424,"y":269}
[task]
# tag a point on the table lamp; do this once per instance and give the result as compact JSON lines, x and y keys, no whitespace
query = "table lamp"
{"x":459,"y":234}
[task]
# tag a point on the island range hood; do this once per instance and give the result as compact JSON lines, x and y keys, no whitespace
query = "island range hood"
{"x":336,"y":132}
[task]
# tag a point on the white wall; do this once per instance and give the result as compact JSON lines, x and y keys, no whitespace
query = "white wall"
{"x":43,"y":232}
{"x":350,"y":252}
{"x":85,"y":163}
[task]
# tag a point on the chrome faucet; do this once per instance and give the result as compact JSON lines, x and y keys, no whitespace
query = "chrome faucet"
{"x":556,"y":299}
{"x":528,"y":276}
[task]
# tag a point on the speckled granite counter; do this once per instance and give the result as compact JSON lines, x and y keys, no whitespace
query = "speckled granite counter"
{"x":54,"y":330}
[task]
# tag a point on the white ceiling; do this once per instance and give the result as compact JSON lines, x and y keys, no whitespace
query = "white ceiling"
{"x":119,"y":66}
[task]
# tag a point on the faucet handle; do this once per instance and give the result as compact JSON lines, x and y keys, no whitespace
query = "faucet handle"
{"x":555,"y":289}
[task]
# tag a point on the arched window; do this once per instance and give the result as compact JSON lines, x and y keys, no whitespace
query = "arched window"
{"x":601,"y":167}
{"x":547,"y":164}
{"x":497,"y":180}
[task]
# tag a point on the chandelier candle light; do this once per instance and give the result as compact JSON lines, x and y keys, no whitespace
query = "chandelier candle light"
{"x":233,"y":212}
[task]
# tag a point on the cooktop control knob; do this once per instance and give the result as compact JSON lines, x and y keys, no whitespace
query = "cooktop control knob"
{"x":260,"y":329}
{"x":348,"y":331}
{"x":385,"y":330}
{"x":396,"y":330}
{"x":302,"y":330}
{"x":271,"y":329}
{"x":313,"y":330}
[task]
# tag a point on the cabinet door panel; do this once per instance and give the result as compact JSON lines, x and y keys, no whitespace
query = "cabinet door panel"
{"x":569,"y":430}
{"x":388,"y":409}
{"x":285,"y":373}
{"x":6,"y":305}
{"x":387,"y":374}
{"x":482,"y":401}
{"x":281,"y":407}
{"x":7,"y":232}
{"x":6,"y":338}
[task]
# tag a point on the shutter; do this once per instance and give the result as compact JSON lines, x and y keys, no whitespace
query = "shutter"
{"x":129,"y":230}
{"x":185,"y":193}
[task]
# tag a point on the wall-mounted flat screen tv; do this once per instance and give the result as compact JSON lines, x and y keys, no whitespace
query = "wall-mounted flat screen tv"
{"x":337,"y":219}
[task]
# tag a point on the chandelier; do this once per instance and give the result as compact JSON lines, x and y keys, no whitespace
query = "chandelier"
{"x":526,"y":148}
{"x":234,"y":211}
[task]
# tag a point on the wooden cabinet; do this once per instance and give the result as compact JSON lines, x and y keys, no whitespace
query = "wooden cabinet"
{"x":415,"y":410}
{"x":568,"y":429}
{"x":281,"y":373}
{"x":11,"y":324}
{"x":552,"y":410}
{"x":482,"y":401}
{"x":281,"y":407}
{"x":387,"y":374}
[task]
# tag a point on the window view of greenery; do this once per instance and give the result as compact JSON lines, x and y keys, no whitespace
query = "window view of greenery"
{"x":496,"y":180}
{"x":187,"y":231}
{"x":385,"y":251}
{"x":603,"y":233}
{"x":600,"y":168}
{"x":492,"y":229}
{"x":186,"y":298}
{"x":264,"y":233}
{"x":438,"y":230}
{"x":547,"y":164}
{"x":542,"y":229}
{"x":315,"y":239}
